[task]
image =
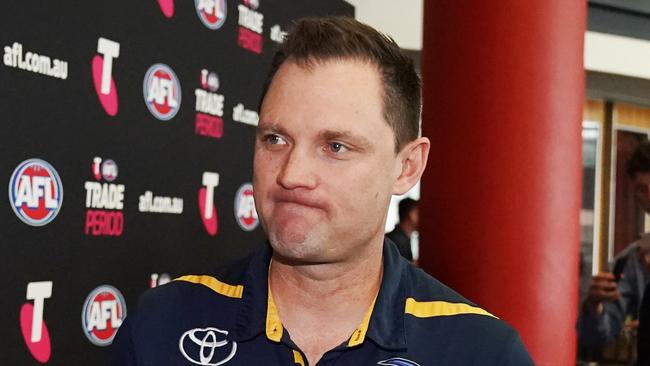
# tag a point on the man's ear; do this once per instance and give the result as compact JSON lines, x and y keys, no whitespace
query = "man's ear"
{"x":413,"y":158}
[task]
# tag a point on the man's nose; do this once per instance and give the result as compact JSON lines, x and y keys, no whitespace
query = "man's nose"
{"x":297,"y":170}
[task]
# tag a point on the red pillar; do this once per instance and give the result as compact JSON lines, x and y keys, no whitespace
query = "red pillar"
{"x":503,"y":96}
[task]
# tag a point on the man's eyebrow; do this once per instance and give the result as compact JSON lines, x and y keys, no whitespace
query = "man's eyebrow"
{"x":271,"y":128}
{"x":347,"y":136}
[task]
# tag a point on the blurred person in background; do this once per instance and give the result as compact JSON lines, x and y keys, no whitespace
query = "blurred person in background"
{"x":644,"y":330}
{"x":408,"y":223}
{"x":614,"y":297}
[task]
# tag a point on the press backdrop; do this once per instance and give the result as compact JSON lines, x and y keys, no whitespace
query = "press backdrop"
{"x":126,"y":134}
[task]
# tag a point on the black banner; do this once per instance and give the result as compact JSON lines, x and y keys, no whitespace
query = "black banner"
{"x":126,"y":147}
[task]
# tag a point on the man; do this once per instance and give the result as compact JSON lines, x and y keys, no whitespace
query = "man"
{"x":338,"y":135}
{"x":612,"y":297}
{"x":643,"y":345}
{"x":408,"y":223}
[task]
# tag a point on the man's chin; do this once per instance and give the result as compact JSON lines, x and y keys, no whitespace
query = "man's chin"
{"x":290,"y":237}
{"x":295,"y":248}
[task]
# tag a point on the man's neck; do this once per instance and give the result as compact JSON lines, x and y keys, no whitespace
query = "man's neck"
{"x":322,"y":304}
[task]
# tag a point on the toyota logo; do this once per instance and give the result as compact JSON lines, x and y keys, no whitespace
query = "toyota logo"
{"x":203,"y":346}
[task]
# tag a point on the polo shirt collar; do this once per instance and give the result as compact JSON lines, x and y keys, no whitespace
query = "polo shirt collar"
{"x":252,"y":315}
{"x":383,"y":322}
{"x":386,"y":327}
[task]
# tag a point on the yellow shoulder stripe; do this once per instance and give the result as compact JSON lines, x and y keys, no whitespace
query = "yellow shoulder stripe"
{"x":428,"y":309}
{"x":214,"y":284}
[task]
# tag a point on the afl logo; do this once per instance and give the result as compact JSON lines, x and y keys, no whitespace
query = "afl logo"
{"x":162,"y":92}
{"x":109,"y":170}
{"x":211,"y":12}
{"x":103,"y":313}
{"x":35,"y":192}
{"x":106,"y":169}
{"x":245,"y":208}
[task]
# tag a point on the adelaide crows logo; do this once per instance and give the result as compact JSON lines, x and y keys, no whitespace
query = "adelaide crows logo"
{"x":397,"y":361}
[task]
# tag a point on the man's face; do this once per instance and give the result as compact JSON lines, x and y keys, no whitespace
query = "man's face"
{"x":642,"y":190}
{"x":325,"y":162}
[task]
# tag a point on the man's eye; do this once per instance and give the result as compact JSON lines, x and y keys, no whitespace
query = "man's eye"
{"x":336,"y":147}
{"x":275,"y":140}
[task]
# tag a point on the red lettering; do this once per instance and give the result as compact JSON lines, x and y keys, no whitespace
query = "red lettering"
{"x":206,"y":125}
{"x":250,"y":40}
{"x":104,"y":223}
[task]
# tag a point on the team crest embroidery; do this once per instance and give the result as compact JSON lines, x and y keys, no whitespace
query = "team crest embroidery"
{"x":397,"y":361}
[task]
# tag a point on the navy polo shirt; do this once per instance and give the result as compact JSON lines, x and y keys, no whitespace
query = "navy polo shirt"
{"x":229,"y":318}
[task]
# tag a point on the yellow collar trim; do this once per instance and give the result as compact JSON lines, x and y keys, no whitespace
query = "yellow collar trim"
{"x":274,"y":327}
{"x":359,"y":334}
{"x":273,"y":324}
{"x":297,"y":358}
{"x":428,"y":309}
{"x":214,"y":284}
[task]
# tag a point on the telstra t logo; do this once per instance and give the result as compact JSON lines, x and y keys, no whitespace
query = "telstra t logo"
{"x":102,"y":67}
{"x":207,"y":209}
{"x":34,"y":330}
{"x":167,"y":7}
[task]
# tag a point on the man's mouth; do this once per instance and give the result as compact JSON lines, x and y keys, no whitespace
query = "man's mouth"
{"x":292,"y":198}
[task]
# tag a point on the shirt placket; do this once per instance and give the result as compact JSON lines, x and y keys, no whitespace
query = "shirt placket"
{"x":329,"y":358}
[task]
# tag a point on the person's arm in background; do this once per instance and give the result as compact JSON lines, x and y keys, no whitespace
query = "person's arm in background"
{"x":603,"y":312}
{"x":644,"y":330}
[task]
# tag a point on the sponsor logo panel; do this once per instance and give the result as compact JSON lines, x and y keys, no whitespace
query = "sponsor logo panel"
{"x":16,"y":58}
{"x":246,"y":116}
{"x":159,"y":279}
{"x":245,"y":212}
{"x":102,"y":69}
{"x":251,"y":26}
{"x":212,"y":13}
{"x":104,"y":200}
{"x":207,"y":346}
{"x":162,"y":92}
{"x":35,"y":192}
{"x":103,"y":313}
{"x":277,"y":34}
{"x":160,"y":204}
{"x":32,"y":326}
{"x":209,"y":106}
{"x":207,"y":208}
{"x":167,"y":7}
{"x":253,"y":4}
